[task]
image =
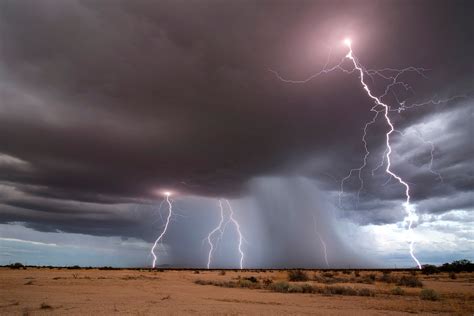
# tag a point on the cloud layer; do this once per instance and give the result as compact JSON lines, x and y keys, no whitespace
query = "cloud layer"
{"x":102,"y":105}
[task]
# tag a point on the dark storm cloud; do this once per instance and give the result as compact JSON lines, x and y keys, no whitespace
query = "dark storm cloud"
{"x":107,"y":101}
{"x":124,"y":220}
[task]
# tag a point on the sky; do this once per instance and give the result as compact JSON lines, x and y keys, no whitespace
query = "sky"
{"x":105,"y":104}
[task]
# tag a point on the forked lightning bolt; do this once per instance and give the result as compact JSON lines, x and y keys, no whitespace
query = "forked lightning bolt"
{"x":380,"y":108}
{"x":220,"y":228}
{"x":237,"y":227}
{"x":424,"y":141}
{"x":160,"y":237}
{"x":411,"y":214}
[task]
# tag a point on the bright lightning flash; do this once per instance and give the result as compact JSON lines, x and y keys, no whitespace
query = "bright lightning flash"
{"x":221,"y":229}
{"x":237,"y":227}
{"x":160,"y":237}
{"x":392,"y":76}
{"x":410,"y":209}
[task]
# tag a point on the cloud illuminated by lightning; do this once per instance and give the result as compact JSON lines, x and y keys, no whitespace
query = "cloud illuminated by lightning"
{"x":160,"y":237}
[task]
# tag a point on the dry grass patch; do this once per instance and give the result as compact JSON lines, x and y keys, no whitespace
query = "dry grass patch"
{"x":429,"y":295}
{"x":409,"y":281}
{"x":297,"y":276}
{"x":397,"y":291}
{"x":286,"y":287}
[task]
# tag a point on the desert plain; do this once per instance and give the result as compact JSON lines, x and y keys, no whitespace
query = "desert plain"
{"x":43,"y":291}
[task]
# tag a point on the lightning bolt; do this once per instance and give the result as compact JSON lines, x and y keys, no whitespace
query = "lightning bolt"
{"x":380,"y":108}
{"x":426,"y":142}
{"x":237,"y":227}
{"x":430,"y":166}
{"x":404,"y":107}
{"x":364,"y":164}
{"x":325,"y":250}
{"x":160,"y":237}
{"x":410,"y":209}
{"x":220,"y":228}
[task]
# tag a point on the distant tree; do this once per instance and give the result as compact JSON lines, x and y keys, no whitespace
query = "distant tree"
{"x":17,"y":265}
{"x":463,"y":265}
{"x":74,"y":267}
{"x":429,"y":269}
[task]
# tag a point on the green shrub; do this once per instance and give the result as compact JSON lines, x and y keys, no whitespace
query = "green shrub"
{"x":230,"y":284}
{"x":297,"y":275}
{"x":371,"y":276}
{"x":410,"y":281}
{"x":308,"y":288}
{"x":281,"y":286}
{"x":397,"y":291}
{"x":203,"y":282}
{"x":387,"y":277}
{"x":340,"y":290}
{"x":366,"y":292}
{"x":344,"y":290}
{"x":267,"y":281}
{"x":367,"y":279}
{"x":429,"y":294}
{"x":295,"y":288}
{"x":245,"y":283}
{"x":324,"y":280}
{"x":328,"y":274}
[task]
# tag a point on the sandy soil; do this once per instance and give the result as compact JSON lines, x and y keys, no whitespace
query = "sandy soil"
{"x":85,"y":292}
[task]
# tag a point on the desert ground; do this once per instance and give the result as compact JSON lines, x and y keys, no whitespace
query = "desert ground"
{"x":42,"y":291}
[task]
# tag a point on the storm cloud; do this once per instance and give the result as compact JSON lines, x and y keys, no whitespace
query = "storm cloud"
{"x":104,"y":103}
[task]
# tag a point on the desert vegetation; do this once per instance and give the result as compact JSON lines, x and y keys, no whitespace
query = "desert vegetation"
{"x":429,"y":294}
{"x":163,"y":291}
{"x":382,"y":283}
{"x":286,"y":287}
{"x":453,"y":267}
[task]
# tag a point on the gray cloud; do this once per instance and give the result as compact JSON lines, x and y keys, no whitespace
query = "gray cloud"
{"x":102,"y":105}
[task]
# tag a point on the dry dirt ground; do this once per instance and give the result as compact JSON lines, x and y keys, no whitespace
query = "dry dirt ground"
{"x":37,"y":291}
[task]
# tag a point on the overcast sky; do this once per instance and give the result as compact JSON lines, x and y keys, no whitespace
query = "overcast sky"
{"x":105,"y":104}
